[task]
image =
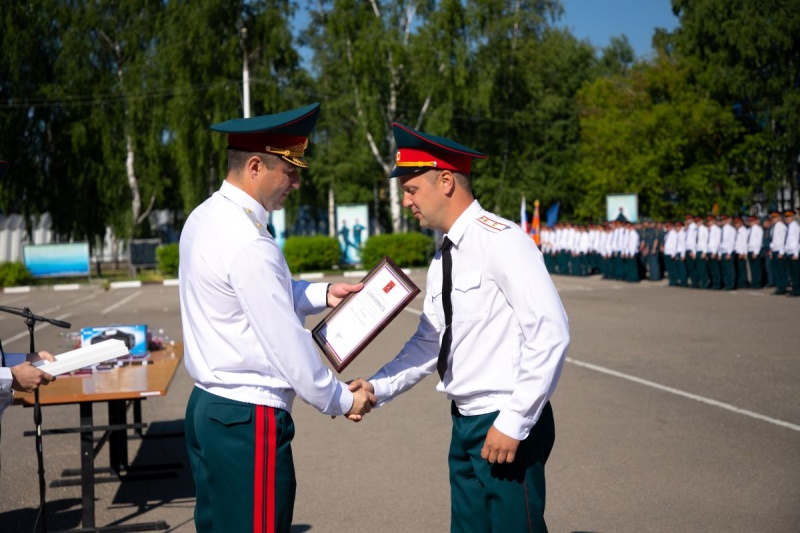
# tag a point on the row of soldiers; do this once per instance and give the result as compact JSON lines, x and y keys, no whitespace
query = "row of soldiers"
{"x":713,"y":252}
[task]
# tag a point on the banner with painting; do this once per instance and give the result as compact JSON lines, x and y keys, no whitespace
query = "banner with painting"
{"x":352,"y":230}
{"x":622,"y":207}
{"x":277,"y":226}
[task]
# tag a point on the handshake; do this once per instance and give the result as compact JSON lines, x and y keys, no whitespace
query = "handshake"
{"x":363,"y":399}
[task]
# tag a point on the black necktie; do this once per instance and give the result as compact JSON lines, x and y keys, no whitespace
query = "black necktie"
{"x":447,"y":287}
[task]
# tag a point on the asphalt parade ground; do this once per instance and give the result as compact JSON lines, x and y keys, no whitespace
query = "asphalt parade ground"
{"x":678,"y":410}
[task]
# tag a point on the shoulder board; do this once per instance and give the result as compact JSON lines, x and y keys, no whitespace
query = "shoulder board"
{"x":259,"y":226}
{"x":490,"y":224}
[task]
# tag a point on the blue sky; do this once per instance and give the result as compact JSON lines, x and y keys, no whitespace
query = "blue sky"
{"x":599,"y":20}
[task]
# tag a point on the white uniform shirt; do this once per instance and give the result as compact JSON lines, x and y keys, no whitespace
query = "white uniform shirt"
{"x":778,"y":242}
{"x":583,"y":242}
{"x":243,"y":314}
{"x":691,"y":237}
{"x":755,"y":239}
{"x":714,"y":238}
{"x":742,"y":234}
{"x":702,"y":239}
{"x":605,"y":243}
{"x":544,"y":238}
{"x":671,"y":243}
{"x":633,"y":243}
{"x":680,"y":245}
{"x":792,"y":239}
{"x":510,"y":331}
{"x":728,"y":241}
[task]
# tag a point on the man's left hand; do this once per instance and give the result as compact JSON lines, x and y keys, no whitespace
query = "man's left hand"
{"x":337,"y":291}
{"x":499,"y":447}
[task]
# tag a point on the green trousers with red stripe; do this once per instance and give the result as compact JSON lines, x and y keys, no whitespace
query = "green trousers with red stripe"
{"x":498,"y":498}
{"x":241,"y":459}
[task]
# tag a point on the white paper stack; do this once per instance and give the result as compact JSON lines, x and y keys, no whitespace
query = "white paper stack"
{"x":83,"y":357}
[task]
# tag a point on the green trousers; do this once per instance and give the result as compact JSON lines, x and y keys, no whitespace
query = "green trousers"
{"x":756,"y":271}
{"x":241,"y":459}
{"x":499,"y":498}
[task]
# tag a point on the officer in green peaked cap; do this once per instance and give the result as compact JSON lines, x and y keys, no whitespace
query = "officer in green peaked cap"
{"x":283,"y":134}
{"x":246,"y":346}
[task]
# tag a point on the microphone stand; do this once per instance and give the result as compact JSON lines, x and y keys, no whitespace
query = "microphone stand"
{"x":30,"y":321}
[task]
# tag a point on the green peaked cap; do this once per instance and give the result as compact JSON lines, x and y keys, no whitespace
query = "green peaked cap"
{"x":284,"y":134}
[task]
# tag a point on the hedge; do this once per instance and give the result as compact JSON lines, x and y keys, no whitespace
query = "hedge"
{"x":304,"y":254}
{"x":167,"y":256}
{"x":14,"y":274}
{"x":405,"y":249}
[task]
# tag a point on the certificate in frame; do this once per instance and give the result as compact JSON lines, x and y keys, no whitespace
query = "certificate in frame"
{"x":362,"y":315}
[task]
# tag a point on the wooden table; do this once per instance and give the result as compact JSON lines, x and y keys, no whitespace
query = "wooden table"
{"x":118,"y":386}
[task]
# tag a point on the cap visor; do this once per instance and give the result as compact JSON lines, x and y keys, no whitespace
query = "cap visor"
{"x":405,"y":171}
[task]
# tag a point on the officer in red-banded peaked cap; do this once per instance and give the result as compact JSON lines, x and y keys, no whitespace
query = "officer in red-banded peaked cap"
{"x":494,"y":331}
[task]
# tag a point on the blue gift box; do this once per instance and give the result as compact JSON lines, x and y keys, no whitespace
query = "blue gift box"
{"x":135,"y":337}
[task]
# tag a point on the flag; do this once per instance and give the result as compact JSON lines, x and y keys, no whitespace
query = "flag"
{"x":536,"y":223}
{"x":552,"y":215}
{"x":523,"y":216}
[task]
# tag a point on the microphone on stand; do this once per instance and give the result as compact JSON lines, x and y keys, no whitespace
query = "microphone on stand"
{"x":30,"y":321}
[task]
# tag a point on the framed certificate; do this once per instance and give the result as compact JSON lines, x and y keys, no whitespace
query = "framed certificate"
{"x":360,"y":316}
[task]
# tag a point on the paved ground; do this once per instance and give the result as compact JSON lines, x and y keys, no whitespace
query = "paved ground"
{"x":678,"y":410}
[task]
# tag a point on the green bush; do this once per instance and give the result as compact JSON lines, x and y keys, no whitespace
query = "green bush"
{"x":304,"y":254}
{"x":14,"y":274}
{"x":168,"y":260}
{"x":405,"y":249}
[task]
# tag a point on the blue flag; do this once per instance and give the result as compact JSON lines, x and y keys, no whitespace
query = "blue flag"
{"x":552,"y":214}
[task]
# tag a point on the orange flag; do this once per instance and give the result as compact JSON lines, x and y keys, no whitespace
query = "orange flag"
{"x":536,"y":237}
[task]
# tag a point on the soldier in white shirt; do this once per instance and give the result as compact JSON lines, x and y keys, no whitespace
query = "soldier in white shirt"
{"x":497,"y":336}
{"x":670,"y":250}
{"x":755,"y":256}
{"x":244,"y":341}
{"x":632,"y":240}
{"x":701,"y":262}
{"x":618,"y":248}
{"x":777,"y":246}
{"x":692,"y":272}
{"x":680,"y":254}
{"x":791,"y":251}
{"x":605,"y":251}
{"x":740,"y":249}
{"x":712,"y":252}
{"x":546,"y":247}
{"x":726,"y":252}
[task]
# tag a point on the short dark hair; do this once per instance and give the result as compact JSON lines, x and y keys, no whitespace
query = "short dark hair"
{"x":463,"y":180}
{"x":237,"y":159}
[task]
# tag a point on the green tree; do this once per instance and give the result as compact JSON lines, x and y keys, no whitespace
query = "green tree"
{"x":201,"y":48}
{"x":526,"y":75}
{"x":654,"y":132}
{"x":748,"y":55}
{"x":362,"y":65}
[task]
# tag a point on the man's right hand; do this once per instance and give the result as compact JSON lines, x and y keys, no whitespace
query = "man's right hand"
{"x":363,"y":399}
{"x":28,"y":378}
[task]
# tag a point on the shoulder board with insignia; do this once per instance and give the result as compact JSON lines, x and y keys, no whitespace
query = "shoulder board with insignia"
{"x":259,"y":226}
{"x":490,"y":224}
